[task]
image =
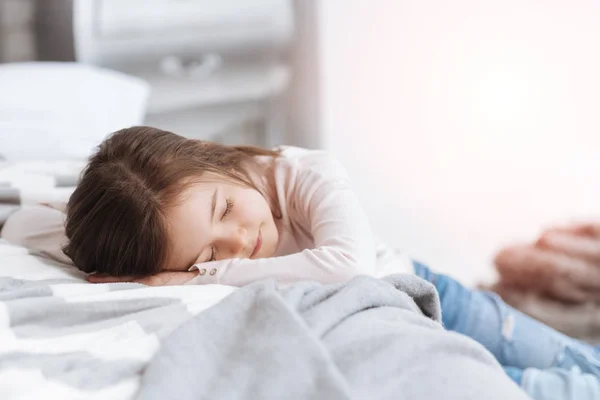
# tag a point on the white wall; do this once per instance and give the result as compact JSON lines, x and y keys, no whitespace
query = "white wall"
{"x":467,"y":124}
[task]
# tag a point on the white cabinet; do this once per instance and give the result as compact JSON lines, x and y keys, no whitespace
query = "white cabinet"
{"x":222,"y":106}
{"x":114,"y":31}
{"x":214,"y":66}
{"x":269,"y":19}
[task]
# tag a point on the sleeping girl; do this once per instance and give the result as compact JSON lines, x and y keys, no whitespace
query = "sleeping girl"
{"x":156,"y":208}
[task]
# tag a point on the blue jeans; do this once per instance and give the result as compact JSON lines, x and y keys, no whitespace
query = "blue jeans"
{"x":534,"y":355}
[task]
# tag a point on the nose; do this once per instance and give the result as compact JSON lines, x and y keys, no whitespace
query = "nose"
{"x":233,"y":242}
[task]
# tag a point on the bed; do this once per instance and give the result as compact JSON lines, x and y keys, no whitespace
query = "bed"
{"x":61,"y":336}
{"x":64,"y":338}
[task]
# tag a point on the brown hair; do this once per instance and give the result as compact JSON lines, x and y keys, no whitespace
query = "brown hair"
{"x":116,"y":220}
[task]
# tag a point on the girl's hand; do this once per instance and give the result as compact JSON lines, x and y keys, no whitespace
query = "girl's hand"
{"x":166,"y":278}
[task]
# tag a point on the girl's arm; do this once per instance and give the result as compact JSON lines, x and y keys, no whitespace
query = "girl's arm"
{"x":344,"y":244}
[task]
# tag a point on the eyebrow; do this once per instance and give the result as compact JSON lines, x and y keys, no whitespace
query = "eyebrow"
{"x":214,"y":205}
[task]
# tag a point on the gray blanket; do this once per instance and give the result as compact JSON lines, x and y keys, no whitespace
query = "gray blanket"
{"x":367,"y":339}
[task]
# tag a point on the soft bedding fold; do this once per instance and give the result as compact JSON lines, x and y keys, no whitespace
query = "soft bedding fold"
{"x":367,"y":339}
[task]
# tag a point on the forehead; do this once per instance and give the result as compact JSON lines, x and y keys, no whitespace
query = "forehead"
{"x":187,"y":221}
{"x":209,"y":179}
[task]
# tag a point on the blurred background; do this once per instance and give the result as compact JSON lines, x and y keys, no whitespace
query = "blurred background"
{"x":466,"y":125}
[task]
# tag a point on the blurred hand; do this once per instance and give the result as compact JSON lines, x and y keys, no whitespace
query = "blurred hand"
{"x":166,"y":278}
{"x":564,"y":262}
{"x":581,"y":241}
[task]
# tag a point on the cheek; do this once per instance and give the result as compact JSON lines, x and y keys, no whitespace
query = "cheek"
{"x":242,"y":213}
{"x":254,"y":207}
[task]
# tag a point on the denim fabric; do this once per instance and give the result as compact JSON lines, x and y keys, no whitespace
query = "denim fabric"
{"x":516,"y":374}
{"x":560,"y":384}
{"x":518,"y":342}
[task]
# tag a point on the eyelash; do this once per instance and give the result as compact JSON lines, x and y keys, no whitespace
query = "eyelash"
{"x":228,"y":209}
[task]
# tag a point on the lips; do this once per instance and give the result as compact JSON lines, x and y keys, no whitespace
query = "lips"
{"x":257,"y":245}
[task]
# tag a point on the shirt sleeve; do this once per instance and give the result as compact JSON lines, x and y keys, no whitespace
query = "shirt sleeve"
{"x":344,"y":243}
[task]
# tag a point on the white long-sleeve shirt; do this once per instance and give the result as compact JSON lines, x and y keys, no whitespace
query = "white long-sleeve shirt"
{"x":325,"y":233}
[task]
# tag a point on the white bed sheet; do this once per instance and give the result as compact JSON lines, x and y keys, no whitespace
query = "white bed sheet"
{"x":137,"y":337}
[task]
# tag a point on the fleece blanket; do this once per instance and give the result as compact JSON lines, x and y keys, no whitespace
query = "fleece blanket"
{"x":366,"y":339}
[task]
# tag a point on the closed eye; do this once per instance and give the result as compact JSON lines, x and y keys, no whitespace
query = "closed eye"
{"x":228,"y":209}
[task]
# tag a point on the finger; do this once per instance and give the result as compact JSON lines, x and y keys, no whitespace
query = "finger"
{"x":573,"y":269}
{"x":508,"y":261}
{"x":591,"y":229}
{"x":570,"y":291}
{"x":161,"y":279}
{"x":584,"y":247}
{"x":591,"y":294}
{"x":149,"y":281}
{"x":520,"y":266}
{"x":100,"y":278}
{"x":558,"y":274}
{"x":577,"y":294}
{"x":566,"y":290}
{"x":540,"y":265}
{"x":529,"y":281}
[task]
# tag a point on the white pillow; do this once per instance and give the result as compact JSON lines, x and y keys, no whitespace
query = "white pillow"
{"x":53,"y":110}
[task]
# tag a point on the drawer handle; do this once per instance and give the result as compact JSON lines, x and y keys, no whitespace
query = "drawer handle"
{"x":191,"y":67}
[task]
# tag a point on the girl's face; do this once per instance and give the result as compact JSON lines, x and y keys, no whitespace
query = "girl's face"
{"x":216,"y":220}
